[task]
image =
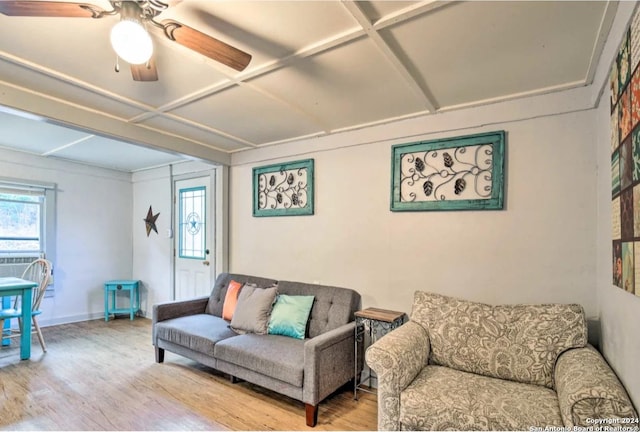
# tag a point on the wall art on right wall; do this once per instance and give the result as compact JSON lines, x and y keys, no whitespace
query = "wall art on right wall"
{"x":461,"y":173}
{"x":625,"y":161}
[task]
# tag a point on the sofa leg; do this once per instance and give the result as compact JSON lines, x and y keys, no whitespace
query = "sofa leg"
{"x":234,"y":380}
{"x":312,"y":414}
{"x":159,"y":355}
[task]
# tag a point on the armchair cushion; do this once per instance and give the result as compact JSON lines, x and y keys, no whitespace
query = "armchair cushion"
{"x":515,"y":342}
{"x":442,"y":398}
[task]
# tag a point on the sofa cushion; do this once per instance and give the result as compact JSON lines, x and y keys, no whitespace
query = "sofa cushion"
{"x":253,"y":309}
{"x":515,"y":342}
{"x":442,"y":398}
{"x":290,"y":315}
{"x":219,"y":291}
{"x":332,"y":308}
{"x":279,"y":357}
{"x":198,"y":332}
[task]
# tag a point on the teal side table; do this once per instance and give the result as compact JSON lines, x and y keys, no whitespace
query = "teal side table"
{"x":111,"y":288}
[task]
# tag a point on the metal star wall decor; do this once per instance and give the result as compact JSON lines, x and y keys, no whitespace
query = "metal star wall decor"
{"x":150,"y":221}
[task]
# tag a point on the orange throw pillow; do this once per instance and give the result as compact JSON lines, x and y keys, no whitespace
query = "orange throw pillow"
{"x":231,"y":300}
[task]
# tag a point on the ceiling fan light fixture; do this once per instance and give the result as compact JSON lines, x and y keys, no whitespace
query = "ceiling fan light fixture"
{"x":130,"y":40}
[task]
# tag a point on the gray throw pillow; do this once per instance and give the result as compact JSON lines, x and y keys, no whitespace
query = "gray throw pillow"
{"x":253,"y":309}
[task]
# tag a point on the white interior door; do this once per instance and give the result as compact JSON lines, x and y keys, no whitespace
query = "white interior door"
{"x":193,"y":237}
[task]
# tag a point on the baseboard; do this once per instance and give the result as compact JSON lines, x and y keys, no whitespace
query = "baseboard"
{"x":71,"y":319}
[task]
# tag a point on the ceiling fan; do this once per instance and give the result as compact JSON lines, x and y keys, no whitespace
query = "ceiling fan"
{"x":129,"y":37}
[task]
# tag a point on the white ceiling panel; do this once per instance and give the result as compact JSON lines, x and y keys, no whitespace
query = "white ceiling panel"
{"x":250,"y":115}
{"x":349,"y":85}
{"x":267,"y":29}
{"x":114,"y":154}
{"x":199,"y":135}
{"x":496,"y":49}
{"x":378,"y":10}
{"x":34,"y":136}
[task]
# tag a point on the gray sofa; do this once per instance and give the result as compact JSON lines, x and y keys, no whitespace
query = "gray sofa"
{"x":308,"y":370}
{"x":461,"y":365}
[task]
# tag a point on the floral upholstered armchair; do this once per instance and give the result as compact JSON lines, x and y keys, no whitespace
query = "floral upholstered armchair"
{"x":460,"y":365}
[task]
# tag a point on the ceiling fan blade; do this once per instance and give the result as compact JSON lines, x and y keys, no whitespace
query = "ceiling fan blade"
{"x":50,"y":9}
{"x":206,"y":45}
{"x":142,"y":72}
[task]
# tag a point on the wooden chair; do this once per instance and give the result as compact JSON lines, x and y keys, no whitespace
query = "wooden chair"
{"x":38,"y":271}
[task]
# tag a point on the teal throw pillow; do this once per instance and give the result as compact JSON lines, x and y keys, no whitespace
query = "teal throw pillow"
{"x":290,"y":315}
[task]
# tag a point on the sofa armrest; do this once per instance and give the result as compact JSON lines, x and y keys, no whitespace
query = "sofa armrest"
{"x":589,"y":392}
{"x":328,"y":362}
{"x":397,"y":358}
{"x":174,"y":309}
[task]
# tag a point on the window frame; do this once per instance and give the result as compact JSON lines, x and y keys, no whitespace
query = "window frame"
{"x":47,"y":216}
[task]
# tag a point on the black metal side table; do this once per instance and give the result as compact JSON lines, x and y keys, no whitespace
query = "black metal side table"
{"x":377,"y":322}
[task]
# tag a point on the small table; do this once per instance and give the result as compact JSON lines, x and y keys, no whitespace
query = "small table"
{"x":132,"y":287}
{"x":10,"y":286}
{"x":379,"y":322}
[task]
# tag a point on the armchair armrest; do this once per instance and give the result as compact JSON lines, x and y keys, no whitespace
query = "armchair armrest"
{"x":174,"y":309}
{"x":589,"y":392}
{"x":397,"y":358}
{"x":328,"y":362}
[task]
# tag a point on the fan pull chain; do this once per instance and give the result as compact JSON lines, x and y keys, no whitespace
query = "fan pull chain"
{"x":117,"y":68}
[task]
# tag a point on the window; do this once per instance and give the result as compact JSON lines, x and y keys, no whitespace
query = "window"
{"x":192,"y":208}
{"x":20,"y":224}
{"x":27,"y":228}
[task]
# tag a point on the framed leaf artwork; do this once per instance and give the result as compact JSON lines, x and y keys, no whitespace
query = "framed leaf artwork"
{"x":461,"y":173}
{"x":283,"y":189}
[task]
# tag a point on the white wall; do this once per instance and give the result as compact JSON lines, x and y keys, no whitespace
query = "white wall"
{"x":541,"y":248}
{"x":153,"y":255}
{"x":152,"y":259}
{"x":93,"y":226}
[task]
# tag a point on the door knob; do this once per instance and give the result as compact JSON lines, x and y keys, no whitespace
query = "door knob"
{"x":206,"y":263}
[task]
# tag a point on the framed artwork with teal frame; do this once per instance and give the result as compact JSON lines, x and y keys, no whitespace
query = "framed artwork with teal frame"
{"x":461,"y":173}
{"x":283,"y":189}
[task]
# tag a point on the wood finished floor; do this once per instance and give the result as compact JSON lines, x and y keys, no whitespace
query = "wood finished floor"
{"x":102,"y":376}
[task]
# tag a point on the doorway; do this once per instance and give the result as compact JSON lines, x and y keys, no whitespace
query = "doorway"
{"x":193,"y":240}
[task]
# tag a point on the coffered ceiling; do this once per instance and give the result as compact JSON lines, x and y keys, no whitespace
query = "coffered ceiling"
{"x":317,"y":68}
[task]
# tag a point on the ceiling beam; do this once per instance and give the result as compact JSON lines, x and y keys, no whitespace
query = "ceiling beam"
{"x":208,"y":129}
{"x":420,"y":90}
{"x":64,"y":113}
{"x":414,"y":10}
{"x":67,"y":145}
{"x":34,"y":67}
